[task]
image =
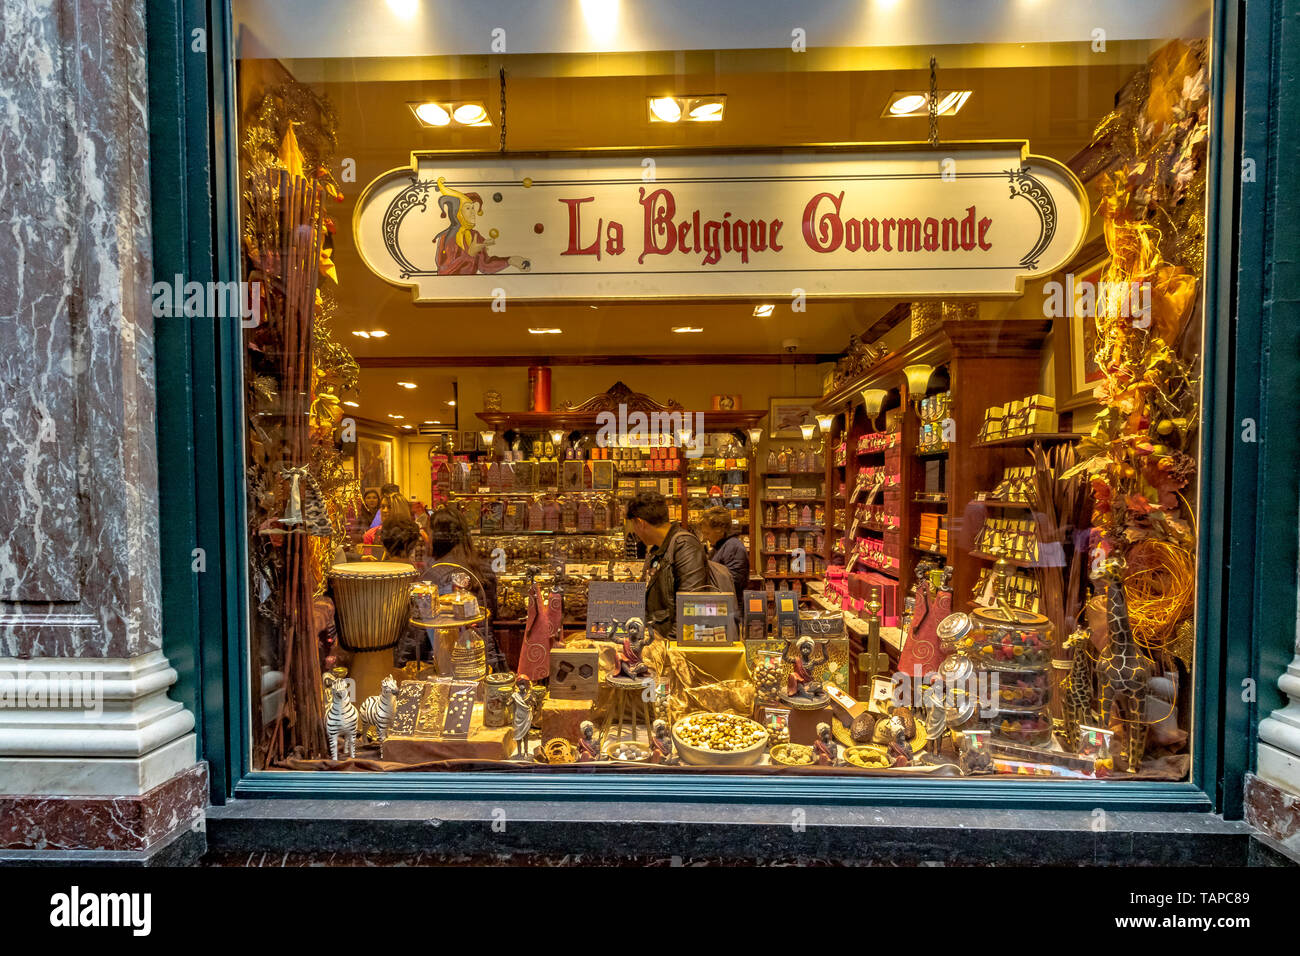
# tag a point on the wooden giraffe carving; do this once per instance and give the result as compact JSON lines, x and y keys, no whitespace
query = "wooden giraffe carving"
{"x":1077,"y":689}
{"x":1123,"y":669}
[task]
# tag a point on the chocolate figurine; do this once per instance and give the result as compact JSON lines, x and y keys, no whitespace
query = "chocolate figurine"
{"x":824,"y":747}
{"x":522,"y":699}
{"x":661,"y":743}
{"x":630,"y":664}
{"x":800,"y":684}
{"x":588,"y":746}
{"x":899,"y":748}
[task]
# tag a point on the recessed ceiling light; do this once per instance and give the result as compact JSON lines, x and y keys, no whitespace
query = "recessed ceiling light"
{"x":709,"y":111}
{"x":351,"y":404}
{"x":470,"y":114}
{"x":429,"y":422}
{"x":545,"y":331}
{"x":915,"y":103}
{"x":688,"y":328}
{"x":693,"y":109}
{"x":404,"y":9}
{"x":364,"y":335}
{"x":665,"y":109}
{"x":408,"y":426}
{"x":763,"y":311}
{"x":377,"y":333}
{"x":406,"y":384}
{"x":431,"y":114}
{"x":391,"y":415}
{"x":451,"y":401}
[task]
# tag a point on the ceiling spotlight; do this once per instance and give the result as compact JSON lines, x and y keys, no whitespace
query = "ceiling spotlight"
{"x":431,"y":114}
{"x":364,"y":335}
{"x":470,"y":114}
{"x":429,"y":422}
{"x":915,"y":103}
{"x":693,"y":109}
{"x":688,"y":328}
{"x":451,"y":402}
{"x":406,"y":384}
{"x":391,"y":415}
{"x":377,"y":333}
{"x":351,"y":404}
{"x":408,"y":426}
{"x":763,"y":311}
{"x":545,"y":331}
{"x":665,"y":109}
{"x":708,"y":111}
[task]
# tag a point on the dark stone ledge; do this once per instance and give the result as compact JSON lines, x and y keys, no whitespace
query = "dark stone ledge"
{"x":290,"y":832}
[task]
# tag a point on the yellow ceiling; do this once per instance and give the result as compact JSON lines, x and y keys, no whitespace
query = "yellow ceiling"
{"x":1052,"y":95}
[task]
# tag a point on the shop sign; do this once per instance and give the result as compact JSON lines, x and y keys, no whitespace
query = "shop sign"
{"x":969,"y":220}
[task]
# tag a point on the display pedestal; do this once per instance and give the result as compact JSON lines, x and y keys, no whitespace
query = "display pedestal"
{"x":368,"y":669}
{"x":804,"y":719}
{"x":562,"y":718}
{"x":483,"y":743}
{"x":725,"y":662}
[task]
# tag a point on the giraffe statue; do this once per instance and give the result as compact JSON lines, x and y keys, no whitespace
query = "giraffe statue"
{"x":1123,"y":668}
{"x":1077,"y":689}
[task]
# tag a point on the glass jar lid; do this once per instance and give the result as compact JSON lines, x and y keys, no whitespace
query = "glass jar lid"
{"x":954,"y":627}
{"x":1003,"y":615}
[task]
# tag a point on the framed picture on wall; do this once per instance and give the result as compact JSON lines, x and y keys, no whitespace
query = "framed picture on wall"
{"x":1075,"y":334}
{"x":785,"y":415}
{"x":374,"y":461}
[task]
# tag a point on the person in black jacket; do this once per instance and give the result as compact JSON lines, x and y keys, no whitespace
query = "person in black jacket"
{"x":725,"y":547}
{"x":675,"y":561}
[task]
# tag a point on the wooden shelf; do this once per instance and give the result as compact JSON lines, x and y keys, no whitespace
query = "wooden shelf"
{"x":1000,"y":503}
{"x":1024,"y":441}
{"x":1014,"y":562}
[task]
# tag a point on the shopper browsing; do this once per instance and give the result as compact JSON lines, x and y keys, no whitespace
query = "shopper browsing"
{"x":718,"y":530}
{"x":675,"y":562}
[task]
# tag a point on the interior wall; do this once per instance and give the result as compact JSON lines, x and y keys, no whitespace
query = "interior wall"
{"x":692,"y":385}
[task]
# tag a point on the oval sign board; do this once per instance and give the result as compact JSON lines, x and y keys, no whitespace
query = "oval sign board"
{"x":963,"y":221}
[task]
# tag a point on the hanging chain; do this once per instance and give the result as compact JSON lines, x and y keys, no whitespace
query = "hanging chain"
{"x":502,"y":146}
{"x":934,"y":103}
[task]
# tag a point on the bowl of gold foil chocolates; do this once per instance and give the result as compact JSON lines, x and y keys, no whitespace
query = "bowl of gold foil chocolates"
{"x":868,"y":758}
{"x":708,"y":739}
{"x":792,"y":755}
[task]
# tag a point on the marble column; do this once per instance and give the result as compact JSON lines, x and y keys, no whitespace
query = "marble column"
{"x":93,"y":754}
{"x":1272,"y":793}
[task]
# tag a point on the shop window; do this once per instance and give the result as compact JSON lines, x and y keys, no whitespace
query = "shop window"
{"x":557,"y":455}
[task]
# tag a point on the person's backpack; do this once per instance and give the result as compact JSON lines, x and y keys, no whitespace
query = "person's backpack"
{"x":720,"y":578}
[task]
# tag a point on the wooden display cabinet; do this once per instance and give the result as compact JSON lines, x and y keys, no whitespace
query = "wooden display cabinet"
{"x":987,"y":363}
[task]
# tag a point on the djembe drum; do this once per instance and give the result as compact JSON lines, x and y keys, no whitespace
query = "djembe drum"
{"x":372,"y":599}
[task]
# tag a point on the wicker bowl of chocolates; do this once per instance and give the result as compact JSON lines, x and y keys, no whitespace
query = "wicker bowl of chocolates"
{"x":707,"y":739}
{"x":792,"y":755}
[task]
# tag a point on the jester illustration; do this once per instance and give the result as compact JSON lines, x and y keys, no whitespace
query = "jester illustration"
{"x":461,"y":249}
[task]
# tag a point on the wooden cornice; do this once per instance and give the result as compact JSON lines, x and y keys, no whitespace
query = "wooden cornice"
{"x":1004,"y":337}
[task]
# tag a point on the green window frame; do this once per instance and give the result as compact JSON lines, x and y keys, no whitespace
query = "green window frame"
{"x":1248,"y":490}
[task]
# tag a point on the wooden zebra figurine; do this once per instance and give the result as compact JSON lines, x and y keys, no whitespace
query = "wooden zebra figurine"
{"x":377,"y":710}
{"x":341,"y":720}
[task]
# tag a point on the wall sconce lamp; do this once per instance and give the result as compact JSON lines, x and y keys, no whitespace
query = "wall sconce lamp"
{"x":918,"y":377}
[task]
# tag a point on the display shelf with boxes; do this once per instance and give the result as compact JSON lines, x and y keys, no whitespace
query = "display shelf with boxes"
{"x":792,"y":503}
